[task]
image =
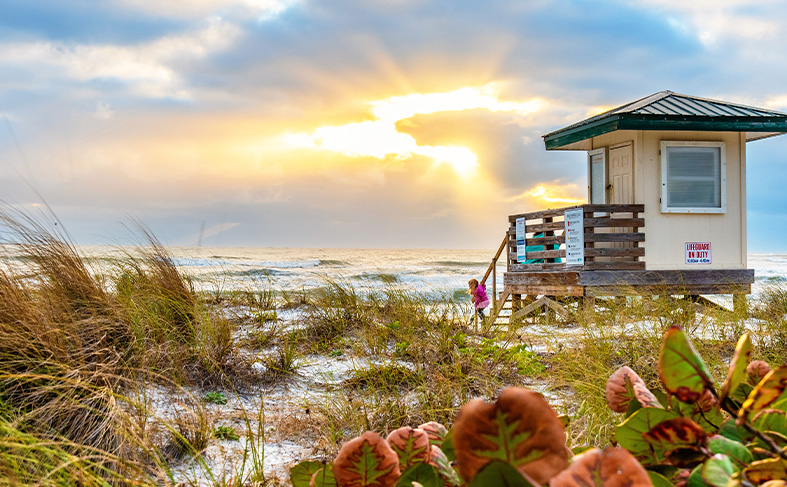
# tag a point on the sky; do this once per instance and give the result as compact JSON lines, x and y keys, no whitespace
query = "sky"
{"x":385,"y":123}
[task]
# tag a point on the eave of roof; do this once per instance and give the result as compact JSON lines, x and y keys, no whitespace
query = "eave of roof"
{"x":671,"y":112}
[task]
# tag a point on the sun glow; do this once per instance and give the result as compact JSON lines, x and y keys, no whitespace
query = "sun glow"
{"x":379,"y":137}
{"x":550,"y":194}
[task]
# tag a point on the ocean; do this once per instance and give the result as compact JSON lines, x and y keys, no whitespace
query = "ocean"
{"x":434,"y":272}
{"x":437,"y":272}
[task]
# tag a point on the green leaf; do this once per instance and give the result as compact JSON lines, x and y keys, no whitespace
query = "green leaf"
{"x":324,"y":477}
{"x":629,"y":433}
{"x":634,"y":406}
{"x":732,"y":431}
{"x":738,"y":364}
{"x":781,"y":403}
{"x":497,"y":473}
{"x":741,"y":393}
{"x":681,"y":369}
{"x":667,"y":471}
{"x":738,"y":453}
{"x":695,"y":478}
{"x":658,"y":480}
{"x":765,"y":393}
{"x":709,"y":420}
{"x":770,"y":421}
{"x":301,"y":474}
{"x":423,"y":473}
{"x":717,"y":470}
{"x":448,"y":446}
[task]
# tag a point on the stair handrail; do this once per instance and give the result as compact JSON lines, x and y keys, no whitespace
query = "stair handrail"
{"x":493,"y":270}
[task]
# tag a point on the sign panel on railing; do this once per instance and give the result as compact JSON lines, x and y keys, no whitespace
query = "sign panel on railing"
{"x":520,"y":240}
{"x":575,"y":237}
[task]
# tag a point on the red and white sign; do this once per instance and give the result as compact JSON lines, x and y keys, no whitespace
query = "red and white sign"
{"x":698,"y":253}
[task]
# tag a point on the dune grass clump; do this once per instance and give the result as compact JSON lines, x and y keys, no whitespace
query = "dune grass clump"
{"x":75,"y":341}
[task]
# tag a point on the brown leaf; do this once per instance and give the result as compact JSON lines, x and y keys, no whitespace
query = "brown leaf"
{"x":520,"y":428}
{"x":677,"y":433}
{"x":610,"y":467}
{"x":707,"y":401}
{"x":623,"y":386}
{"x":756,"y":371}
{"x":645,"y":397}
{"x":436,"y":432}
{"x":411,"y":446}
{"x":366,"y":461}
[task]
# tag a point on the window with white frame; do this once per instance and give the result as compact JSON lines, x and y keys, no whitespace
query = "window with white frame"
{"x":597,"y":168}
{"x":693,"y":177}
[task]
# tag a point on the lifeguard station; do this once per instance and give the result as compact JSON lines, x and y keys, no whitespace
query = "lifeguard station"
{"x":666,"y":212}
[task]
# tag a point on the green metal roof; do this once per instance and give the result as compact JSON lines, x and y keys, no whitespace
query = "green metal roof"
{"x":666,"y":110}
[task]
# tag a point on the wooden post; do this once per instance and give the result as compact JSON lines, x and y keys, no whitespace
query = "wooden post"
{"x":739,"y":305}
{"x":494,"y":284}
{"x":516,"y":304}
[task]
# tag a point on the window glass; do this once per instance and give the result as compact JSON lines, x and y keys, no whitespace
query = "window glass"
{"x":598,"y":183}
{"x":693,"y":177}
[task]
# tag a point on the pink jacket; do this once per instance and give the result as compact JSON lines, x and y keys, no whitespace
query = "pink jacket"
{"x":480,"y":298}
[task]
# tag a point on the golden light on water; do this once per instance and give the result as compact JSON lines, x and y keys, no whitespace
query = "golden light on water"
{"x":380,"y":138}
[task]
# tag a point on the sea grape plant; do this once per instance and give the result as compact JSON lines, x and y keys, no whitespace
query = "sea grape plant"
{"x":689,"y":435}
{"x":736,"y":436}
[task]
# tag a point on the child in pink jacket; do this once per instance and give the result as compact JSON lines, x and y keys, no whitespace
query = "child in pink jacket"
{"x":479,"y":297}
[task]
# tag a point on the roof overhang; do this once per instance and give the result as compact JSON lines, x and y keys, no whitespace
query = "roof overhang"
{"x":578,"y":137}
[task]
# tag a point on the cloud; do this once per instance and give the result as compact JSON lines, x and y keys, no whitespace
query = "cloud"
{"x":550,"y":195}
{"x":715,"y":21}
{"x":149,"y":70}
{"x":262,"y":9}
{"x":381,"y":137}
{"x":103,"y":111}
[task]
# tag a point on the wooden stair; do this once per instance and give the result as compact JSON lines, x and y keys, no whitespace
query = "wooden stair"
{"x":504,"y":310}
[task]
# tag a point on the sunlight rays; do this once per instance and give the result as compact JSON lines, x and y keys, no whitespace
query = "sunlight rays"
{"x":380,"y":138}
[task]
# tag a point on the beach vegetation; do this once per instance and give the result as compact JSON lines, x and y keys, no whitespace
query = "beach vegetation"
{"x":227,"y":433}
{"x":215,"y":397}
{"x":87,"y":351}
{"x":689,"y":431}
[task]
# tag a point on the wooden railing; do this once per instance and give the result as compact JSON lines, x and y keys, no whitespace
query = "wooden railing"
{"x":493,"y":270}
{"x":611,"y":236}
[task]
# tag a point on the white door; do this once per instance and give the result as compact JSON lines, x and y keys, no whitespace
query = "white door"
{"x":621,"y":175}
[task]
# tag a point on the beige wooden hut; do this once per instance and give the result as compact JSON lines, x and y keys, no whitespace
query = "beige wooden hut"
{"x":666,"y":211}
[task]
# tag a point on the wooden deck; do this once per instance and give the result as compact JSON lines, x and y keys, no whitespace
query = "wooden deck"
{"x":614,"y":261}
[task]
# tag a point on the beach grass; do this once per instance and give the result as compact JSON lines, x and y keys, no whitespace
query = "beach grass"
{"x":82,"y":346}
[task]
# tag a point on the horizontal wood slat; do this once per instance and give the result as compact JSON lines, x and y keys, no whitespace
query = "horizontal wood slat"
{"x":558,"y":212}
{"x":614,"y":222}
{"x":614,"y":237}
{"x":615,"y":252}
{"x":556,"y":266}
{"x":546,"y":227}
